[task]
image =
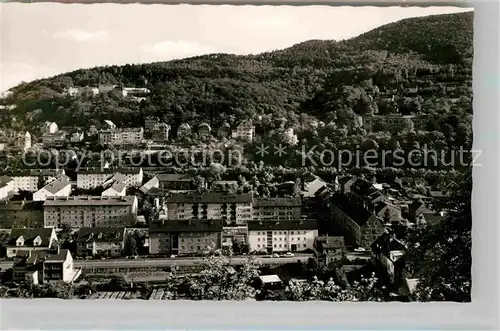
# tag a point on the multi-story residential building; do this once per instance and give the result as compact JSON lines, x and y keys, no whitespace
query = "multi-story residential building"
{"x":311,"y":185}
{"x":122,"y":136}
{"x":160,"y":132}
{"x":25,"y":182}
{"x":184,"y":237}
{"x":6,"y":187}
{"x":90,"y":211}
{"x":92,"y":178}
{"x":39,"y":267}
{"x":106,"y":88}
{"x":233,"y":209}
{"x":281,"y":235}
{"x":244,"y":131}
{"x":36,"y":239}
{"x":47,"y":175}
{"x":389,"y":251}
{"x":54,"y":139}
{"x":328,"y":250}
{"x":361,"y":227}
{"x":277,"y":208}
{"x":108,"y":242}
{"x":59,"y":188}
{"x":20,"y":214}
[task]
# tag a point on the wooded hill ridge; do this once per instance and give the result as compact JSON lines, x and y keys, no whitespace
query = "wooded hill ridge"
{"x":316,"y":78}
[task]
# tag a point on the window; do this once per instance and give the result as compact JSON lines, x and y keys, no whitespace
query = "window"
{"x":291,"y":232}
{"x":280,"y":245}
{"x":305,"y":245}
{"x":274,"y":245}
{"x":258,"y":239}
{"x":258,"y":246}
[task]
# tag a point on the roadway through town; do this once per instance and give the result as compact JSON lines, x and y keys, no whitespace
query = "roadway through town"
{"x":161,"y":262}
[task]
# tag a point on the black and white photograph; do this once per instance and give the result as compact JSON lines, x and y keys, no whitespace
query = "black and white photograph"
{"x":262,"y":153}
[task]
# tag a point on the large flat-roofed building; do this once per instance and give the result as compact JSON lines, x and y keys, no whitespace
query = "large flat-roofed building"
{"x":20,"y":214}
{"x":277,"y":208}
{"x":282,"y":235}
{"x":233,"y":209}
{"x":90,"y":211}
{"x":184,"y":237}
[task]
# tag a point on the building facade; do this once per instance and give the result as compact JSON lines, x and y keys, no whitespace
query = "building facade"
{"x":233,"y":209}
{"x":184,"y":237}
{"x":91,"y":211}
{"x":60,"y":188}
{"x":30,"y":239}
{"x":281,"y":235}
{"x":244,"y":131}
{"x":120,"y":137}
{"x":277,"y":208}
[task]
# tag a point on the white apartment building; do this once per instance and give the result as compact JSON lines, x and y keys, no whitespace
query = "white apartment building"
{"x":92,"y":178}
{"x":91,"y":211}
{"x":60,"y":188}
{"x":25,"y":183}
{"x":123,"y":136}
{"x":282,"y":235}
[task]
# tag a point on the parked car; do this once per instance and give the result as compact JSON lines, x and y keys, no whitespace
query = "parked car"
{"x":173,"y":256}
{"x":360,"y":249}
{"x":276,"y":255}
{"x":289,"y":254}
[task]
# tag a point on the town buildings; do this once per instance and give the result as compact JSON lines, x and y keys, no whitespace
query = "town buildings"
{"x":134,"y":91}
{"x":90,"y":211}
{"x":184,"y":237}
{"x":328,"y":250}
{"x":150,"y":122}
{"x":39,"y":267}
{"x":244,"y":131}
{"x":282,"y":235}
{"x":361,"y":227}
{"x":160,"y":132}
{"x":396,"y":120}
{"x":30,"y":239}
{"x":101,"y":241}
{"x":6,"y":187}
{"x":204,"y":130}
{"x":234,"y":209}
{"x":60,"y":188}
{"x":121,"y":137}
{"x":277,"y":208}
{"x":92,"y":178}
{"x":116,"y":189}
{"x":20,"y":214}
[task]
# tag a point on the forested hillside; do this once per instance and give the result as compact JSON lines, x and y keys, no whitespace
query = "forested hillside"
{"x":374,"y":72}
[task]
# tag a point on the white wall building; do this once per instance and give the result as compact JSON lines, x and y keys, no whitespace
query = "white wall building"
{"x":60,"y":188}
{"x":6,"y":187}
{"x":25,"y":183}
{"x":92,"y":178}
{"x":282,"y":235}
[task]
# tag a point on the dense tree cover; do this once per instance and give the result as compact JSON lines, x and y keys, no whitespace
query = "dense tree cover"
{"x":327,"y":79}
{"x":440,"y":254}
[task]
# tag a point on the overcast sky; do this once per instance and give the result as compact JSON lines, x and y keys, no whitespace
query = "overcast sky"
{"x":45,"y":39}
